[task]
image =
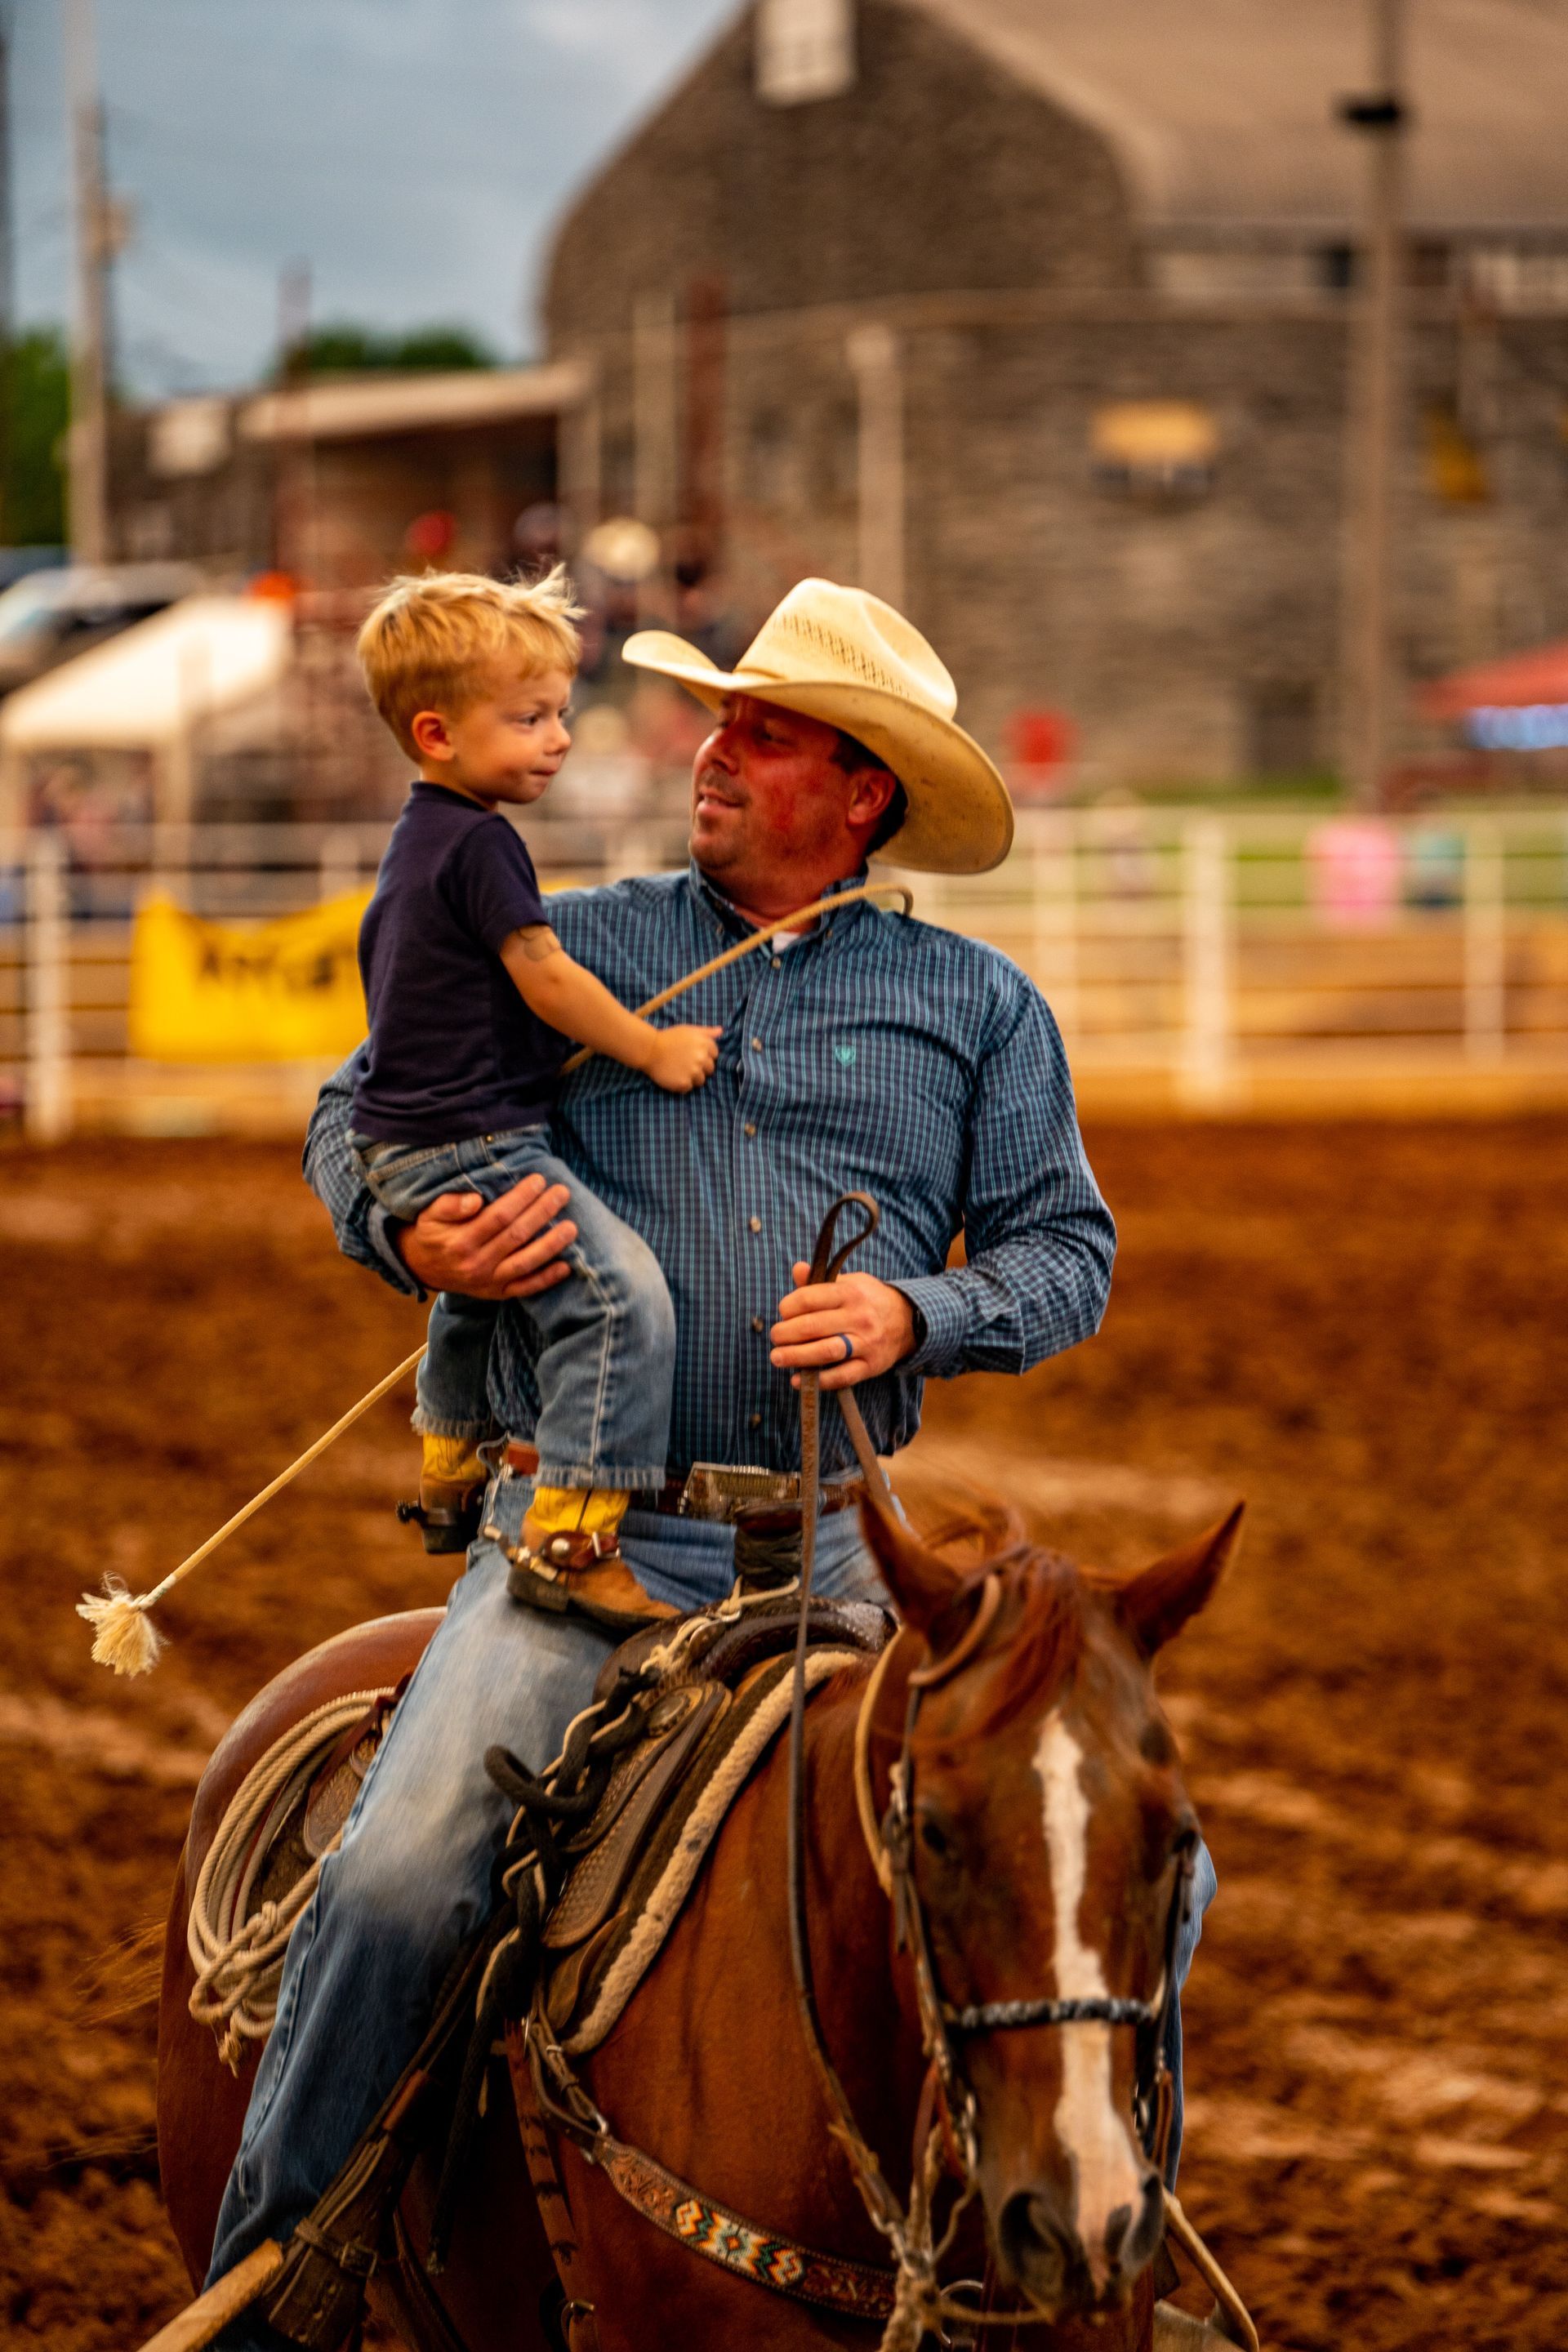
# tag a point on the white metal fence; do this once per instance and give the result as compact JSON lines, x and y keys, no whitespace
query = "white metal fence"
{"x":1197,"y":956}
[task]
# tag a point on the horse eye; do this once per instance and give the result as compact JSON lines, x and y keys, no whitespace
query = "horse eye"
{"x":933,"y":1837}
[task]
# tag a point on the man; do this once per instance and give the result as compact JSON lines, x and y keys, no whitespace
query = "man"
{"x":870,"y":1052}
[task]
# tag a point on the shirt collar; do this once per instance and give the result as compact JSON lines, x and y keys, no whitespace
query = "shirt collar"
{"x":708,"y":894}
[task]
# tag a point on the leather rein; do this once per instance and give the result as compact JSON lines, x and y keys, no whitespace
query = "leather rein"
{"x":946,"y":2127}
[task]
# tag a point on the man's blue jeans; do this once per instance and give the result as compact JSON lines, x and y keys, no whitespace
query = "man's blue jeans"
{"x":604,"y":1341}
{"x":411,"y":1877}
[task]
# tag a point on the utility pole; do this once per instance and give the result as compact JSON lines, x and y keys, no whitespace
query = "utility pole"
{"x":1383,"y":118}
{"x":8,"y":279}
{"x":294,"y":466}
{"x":94,"y":241}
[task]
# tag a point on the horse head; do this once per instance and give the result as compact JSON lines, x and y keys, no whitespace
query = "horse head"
{"x":1049,"y":1835}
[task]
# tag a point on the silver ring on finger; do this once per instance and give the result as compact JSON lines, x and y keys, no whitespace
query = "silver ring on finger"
{"x":846,"y":1343}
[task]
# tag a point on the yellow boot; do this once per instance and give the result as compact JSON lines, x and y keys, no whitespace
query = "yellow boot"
{"x":452,"y":1481}
{"x":569,"y":1560}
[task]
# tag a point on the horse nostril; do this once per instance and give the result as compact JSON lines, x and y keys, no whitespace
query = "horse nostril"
{"x":1033,"y":2243}
{"x":1131,"y":2242}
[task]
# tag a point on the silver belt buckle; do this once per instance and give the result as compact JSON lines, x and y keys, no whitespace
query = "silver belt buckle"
{"x":717,"y":1490}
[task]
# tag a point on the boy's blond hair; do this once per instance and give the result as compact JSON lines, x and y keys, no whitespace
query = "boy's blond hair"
{"x":441,"y":641}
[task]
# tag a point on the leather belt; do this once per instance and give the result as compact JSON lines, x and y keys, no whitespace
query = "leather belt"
{"x":717,"y":1491}
{"x":721,"y":1490}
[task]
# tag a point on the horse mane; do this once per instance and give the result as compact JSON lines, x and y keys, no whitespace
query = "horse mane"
{"x":1044,"y":1623}
{"x":1041,"y":1625}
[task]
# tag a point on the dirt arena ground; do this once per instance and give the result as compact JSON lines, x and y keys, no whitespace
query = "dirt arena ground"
{"x":1361,"y":1329}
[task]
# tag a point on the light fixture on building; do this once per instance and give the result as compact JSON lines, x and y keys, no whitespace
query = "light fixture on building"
{"x":806,"y":49}
{"x":1167,"y":446}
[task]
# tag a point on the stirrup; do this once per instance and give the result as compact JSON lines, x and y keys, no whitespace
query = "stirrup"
{"x":446,"y":1526}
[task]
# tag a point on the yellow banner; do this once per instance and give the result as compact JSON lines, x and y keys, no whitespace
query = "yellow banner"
{"x":287,"y":990}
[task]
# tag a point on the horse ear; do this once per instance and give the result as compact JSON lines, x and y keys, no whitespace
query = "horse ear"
{"x":1157,"y":1603}
{"x":922,"y":1583}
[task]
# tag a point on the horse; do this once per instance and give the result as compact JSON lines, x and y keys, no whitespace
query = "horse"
{"x":1013,"y":1725}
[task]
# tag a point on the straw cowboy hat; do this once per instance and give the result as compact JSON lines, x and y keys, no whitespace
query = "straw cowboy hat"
{"x":838,"y":654}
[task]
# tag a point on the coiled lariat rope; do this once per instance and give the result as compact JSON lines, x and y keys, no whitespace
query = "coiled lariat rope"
{"x":238,"y":1956}
{"x":124,"y":1636}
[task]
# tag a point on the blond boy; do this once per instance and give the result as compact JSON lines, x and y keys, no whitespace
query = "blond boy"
{"x":473,"y":1008}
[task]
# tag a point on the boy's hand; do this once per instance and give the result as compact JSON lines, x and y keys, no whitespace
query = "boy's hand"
{"x":683,"y":1059}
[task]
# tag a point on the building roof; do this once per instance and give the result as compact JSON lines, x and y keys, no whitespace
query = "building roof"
{"x":360,"y":407}
{"x":1222,"y":112}
{"x":154,"y":684}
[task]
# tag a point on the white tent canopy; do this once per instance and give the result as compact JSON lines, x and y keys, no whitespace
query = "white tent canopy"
{"x":150,"y":690}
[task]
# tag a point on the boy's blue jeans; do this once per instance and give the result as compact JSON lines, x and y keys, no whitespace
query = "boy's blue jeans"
{"x":605,"y":1339}
{"x":412,"y":1876}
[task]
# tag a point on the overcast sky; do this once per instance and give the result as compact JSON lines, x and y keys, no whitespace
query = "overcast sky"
{"x":412,"y":151}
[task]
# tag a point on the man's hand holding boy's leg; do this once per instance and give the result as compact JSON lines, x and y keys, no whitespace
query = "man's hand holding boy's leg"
{"x":510,"y":1249}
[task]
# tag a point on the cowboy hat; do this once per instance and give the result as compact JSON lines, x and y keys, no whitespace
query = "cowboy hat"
{"x":843,"y":657}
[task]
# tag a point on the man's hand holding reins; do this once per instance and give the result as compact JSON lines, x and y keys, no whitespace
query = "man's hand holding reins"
{"x":818,"y":1320}
{"x":510,"y":1249}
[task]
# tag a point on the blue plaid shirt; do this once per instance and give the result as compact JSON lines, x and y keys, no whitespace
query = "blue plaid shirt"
{"x":878,"y":1055}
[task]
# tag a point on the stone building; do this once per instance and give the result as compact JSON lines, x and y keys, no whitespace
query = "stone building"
{"x":1039,"y":317}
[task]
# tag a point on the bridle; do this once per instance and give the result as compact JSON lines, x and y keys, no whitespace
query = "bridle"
{"x":945,"y":2131}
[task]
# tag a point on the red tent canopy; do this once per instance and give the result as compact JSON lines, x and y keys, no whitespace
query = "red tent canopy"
{"x":1539,"y":675}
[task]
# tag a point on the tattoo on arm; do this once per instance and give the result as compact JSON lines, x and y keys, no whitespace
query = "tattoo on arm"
{"x":537,"y":941}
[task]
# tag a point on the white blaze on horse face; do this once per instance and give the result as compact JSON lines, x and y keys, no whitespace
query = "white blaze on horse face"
{"x":1107,"y":2172}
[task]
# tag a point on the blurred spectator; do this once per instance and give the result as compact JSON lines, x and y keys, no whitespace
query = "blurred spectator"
{"x":536,"y":538}
{"x":1116,"y":837}
{"x":429,"y":536}
{"x":606,"y":775}
{"x":1039,"y":746}
{"x":703,"y":618}
{"x":1354,"y":867}
{"x":1435,"y":871}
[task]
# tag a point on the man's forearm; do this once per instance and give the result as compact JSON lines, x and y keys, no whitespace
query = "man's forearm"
{"x":1014,"y":1304}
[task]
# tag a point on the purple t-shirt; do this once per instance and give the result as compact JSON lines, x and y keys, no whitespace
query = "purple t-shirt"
{"x":453,"y":1050}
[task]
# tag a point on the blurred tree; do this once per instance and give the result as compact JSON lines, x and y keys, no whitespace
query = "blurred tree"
{"x":35,"y":384}
{"x":343,"y":349}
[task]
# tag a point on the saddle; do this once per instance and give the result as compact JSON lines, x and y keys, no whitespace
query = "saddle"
{"x":702,"y":1695}
{"x":706,"y":1706}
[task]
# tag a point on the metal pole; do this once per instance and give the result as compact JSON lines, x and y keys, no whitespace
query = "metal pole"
{"x":1054,"y":873}
{"x":292,"y":484}
{"x":654,"y":357}
{"x":47,"y":1116}
{"x":89,"y":440}
{"x":1382,"y":117}
{"x":875,"y":356}
{"x":7,"y":277}
{"x":1486,"y":961}
{"x":1205,"y":923}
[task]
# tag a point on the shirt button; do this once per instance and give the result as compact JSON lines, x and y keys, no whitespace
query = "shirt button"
{"x":756,"y":1224}
{"x":751,"y":1127}
{"x":757,"y":1045}
{"x":757,"y":1323}
{"x":756,"y":1421}
{"x":777,"y":961}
